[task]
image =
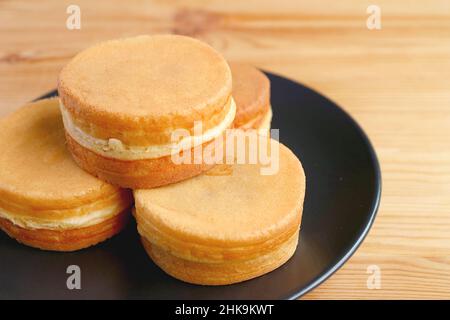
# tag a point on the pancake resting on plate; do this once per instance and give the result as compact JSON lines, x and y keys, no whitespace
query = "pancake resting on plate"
{"x":251,"y":91}
{"x":46,"y":200}
{"x":122,"y":100}
{"x":226,"y":227}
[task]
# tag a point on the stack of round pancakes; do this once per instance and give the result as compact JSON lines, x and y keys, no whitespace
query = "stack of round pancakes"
{"x":155,"y":114}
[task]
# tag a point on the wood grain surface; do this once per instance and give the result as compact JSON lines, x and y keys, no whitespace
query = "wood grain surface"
{"x":395,"y":82}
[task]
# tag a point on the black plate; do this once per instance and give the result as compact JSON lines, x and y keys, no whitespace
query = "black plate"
{"x":342,"y":197}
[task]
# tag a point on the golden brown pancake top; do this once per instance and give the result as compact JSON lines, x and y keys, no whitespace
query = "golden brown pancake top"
{"x":155,"y":82}
{"x":239,"y":205}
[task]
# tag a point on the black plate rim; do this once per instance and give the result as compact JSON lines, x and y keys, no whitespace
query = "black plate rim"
{"x":374,"y":206}
{"x":375,"y":203}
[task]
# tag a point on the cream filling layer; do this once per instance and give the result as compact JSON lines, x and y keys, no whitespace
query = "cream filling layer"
{"x":265,"y":122}
{"x":75,"y":222}
{"x":116,"y":149}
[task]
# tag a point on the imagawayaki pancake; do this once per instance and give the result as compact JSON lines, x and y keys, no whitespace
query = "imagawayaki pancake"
{"x":225,"y":228}
{"x":251,"y":91}
{"x":46,"y":200}
{"x":122,"y":100}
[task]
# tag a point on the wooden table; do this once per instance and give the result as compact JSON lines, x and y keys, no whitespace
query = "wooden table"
{"x":395,"y":82}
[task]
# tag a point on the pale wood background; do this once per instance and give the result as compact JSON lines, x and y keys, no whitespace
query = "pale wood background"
{"x":395,"y":82}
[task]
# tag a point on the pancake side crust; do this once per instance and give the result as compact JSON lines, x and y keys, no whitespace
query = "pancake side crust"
{"x":262,"y":121}
{"x":145,"y":136}
{"x":135,"y":174}
{"x":251,"y":91}
{"x":67,"y":240}
{"x":221,"y":273}
{"x":214,"y":251}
